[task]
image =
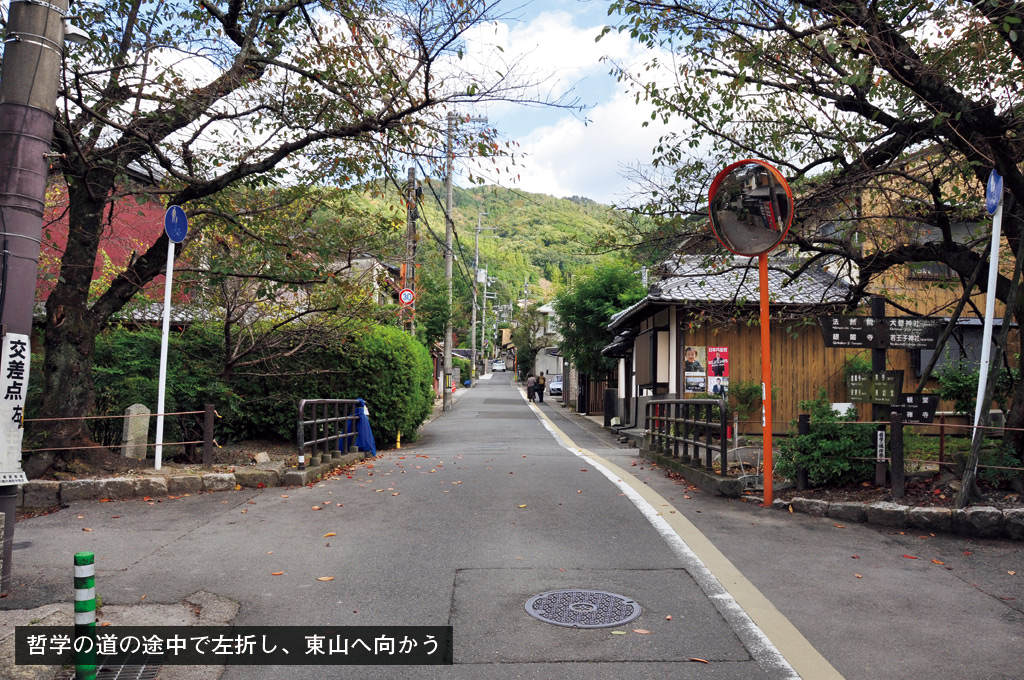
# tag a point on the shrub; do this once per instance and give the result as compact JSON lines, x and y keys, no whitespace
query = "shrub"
{"x":126,"y":371}
{"x":830,"y":451}
{"x":384,"y":366}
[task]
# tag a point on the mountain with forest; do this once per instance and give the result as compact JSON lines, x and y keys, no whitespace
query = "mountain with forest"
{"x":528,"y":236}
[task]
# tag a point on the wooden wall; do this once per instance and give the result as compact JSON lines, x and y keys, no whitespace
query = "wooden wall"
{"x":801,"y":364}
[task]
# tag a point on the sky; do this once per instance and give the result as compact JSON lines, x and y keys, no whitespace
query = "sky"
{"x":566,"y":153}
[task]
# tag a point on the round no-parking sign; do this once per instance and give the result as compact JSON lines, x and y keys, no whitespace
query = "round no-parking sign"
{"x":406,"y":296}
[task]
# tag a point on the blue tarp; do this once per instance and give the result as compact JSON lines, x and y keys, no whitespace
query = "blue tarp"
{"x":364,"y":435}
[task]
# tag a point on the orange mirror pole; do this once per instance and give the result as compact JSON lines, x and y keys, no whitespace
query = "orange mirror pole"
{"x":766,"y":379}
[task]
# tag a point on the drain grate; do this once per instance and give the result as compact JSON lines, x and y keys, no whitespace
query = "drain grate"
{"x":117,"y":672}
{"x":582,"y":608}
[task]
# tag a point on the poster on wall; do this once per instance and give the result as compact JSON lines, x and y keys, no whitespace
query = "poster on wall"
{"x":695,"y":361}
{"x":718,"y":371}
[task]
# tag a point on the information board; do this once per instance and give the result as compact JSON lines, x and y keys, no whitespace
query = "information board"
{"x":851,"y":331}
{"x":879,"y":387}
{"x":918,"y":408}
{"x":907,"y":332}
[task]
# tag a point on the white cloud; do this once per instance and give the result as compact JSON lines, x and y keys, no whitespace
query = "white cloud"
{"x":573,"y":157}
{"x":562,"y":153}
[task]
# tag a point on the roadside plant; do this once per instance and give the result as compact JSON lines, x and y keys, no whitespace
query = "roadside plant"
{"x":831,"y":452}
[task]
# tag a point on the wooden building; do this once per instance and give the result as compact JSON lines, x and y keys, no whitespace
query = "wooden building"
{"x":707,"y":307}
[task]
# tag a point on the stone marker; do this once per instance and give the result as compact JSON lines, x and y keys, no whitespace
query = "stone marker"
{"x":135,"y":437}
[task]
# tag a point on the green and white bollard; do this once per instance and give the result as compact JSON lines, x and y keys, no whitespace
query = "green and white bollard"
{"x":85,"y":615}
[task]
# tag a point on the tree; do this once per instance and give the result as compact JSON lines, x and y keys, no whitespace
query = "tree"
{"x":527,"y":338}
{"x":181,"y":100}
{"x":583,"y":314}
{"x":287,"y":270}
{"x":886,"y":117}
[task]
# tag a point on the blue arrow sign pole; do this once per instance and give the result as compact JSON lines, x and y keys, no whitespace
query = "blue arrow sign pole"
{"x":994,"y":205}
{"x":176,"y":228}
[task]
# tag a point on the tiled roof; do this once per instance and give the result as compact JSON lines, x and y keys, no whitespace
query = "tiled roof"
{"x":703,"y":281}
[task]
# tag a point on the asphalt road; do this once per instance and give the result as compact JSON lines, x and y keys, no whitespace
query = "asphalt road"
{"x":500,"y":500}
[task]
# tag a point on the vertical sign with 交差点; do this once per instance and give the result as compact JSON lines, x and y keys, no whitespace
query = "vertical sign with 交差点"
{"x":14,"y":365}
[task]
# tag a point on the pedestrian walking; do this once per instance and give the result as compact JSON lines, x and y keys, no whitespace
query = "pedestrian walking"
{"x":531,"y":386}
{"x":540,"y":387}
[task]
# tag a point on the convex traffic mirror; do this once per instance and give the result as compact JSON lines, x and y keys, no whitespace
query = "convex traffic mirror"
{"x":751,"y":207}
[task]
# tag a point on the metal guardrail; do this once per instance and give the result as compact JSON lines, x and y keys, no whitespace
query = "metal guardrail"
{"x":326,"y":421}
{"x":686,"y":423}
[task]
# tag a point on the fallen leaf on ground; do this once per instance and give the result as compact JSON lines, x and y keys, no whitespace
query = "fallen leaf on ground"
{"x":1012,"y":573}
{"x":324,"y":578}
{"x":104,"y":500}
{"x":522,"y":506}
{"x":115,"y":517}
{"x":276,"y":573}
{"x":937,"y":562}
{"x":910,"y":557}
{"x":668,"y":618}
{"x":791,"y":509}
{"x":316,"y":507}
{"x":618,"y":632}
{"x":84,"y":529}
{"x":284,"y":496}
{"x":858,"y":576}
{"x":839,"y":526}
{"x":642,"y":631}
{"x":330,"y":533}
{"x":693,"y":658}
{"x":105,"y":623}
{"x":238,"y":487}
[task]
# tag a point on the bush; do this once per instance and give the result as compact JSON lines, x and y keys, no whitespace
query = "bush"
{"x":383,"y":366}
{"x":126,"y":371}
{"x":830,"y":451}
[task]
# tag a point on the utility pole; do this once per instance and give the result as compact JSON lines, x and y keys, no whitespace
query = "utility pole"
{"x":446,"y":399}
{"x":476,"y":280}
{"x":29,"y":82}
{"x":449,"y":226}
{"x":412,"y":194}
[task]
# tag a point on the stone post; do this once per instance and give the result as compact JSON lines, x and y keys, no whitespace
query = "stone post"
{"x":135,"y":436}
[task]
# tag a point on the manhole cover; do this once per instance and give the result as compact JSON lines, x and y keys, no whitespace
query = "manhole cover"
{"x":582,"y":608}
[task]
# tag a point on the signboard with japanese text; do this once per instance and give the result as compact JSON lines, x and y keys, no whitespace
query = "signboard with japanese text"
{"x":851,"y":331}
{"x":694,"y":362}
{"x":858,"y":387}
{"x":879,"y":387}
{"x":718,"y":371}
{"x":908,"y":332}
{"x":886,"y":386}
{"x":918,"y":408}
{"x":894,"y":332}
{"x":14,"y":367}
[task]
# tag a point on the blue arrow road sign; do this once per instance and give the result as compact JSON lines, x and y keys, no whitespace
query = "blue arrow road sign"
{"x":993,"y":192}
{"x":175,"y":224}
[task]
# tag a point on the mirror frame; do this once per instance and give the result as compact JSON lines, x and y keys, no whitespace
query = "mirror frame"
{"x":716,"y":185}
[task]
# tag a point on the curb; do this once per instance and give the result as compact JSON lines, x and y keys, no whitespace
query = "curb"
{"x":41,"y":494}
{"x":975,"y":522}
{"x":979,"y":522}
